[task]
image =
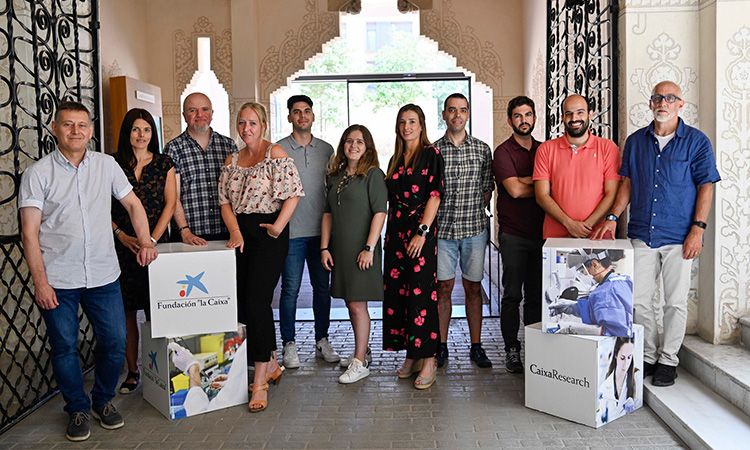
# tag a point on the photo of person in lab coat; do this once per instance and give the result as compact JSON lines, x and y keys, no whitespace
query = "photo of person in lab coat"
{"x":607,"y":309}
{"x":617,"y":394}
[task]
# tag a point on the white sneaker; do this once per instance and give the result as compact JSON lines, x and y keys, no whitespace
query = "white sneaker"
{"x":346,"y":360}
{"x":324,"y":350}
{"x":354,"y":373}
{"x":291,"y":359}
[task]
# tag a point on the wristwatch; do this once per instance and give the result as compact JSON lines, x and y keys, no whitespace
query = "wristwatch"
{"x":423,"y":230}
{"x":611,"y":217}
{"x":700,"y":224}
{"x":367,"y":248}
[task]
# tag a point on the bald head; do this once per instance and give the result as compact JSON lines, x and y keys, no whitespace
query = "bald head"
{"x":667,"y":86}
{"x":198,"y":112}
{"x":575,"y":99}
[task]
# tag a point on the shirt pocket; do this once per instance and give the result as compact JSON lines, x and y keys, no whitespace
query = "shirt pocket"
{"x":676,"y":169}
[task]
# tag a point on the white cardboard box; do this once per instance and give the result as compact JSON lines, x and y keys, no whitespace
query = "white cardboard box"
{"x":588,"y":287}
{"x":193,"y":289}
{"x":568,"y":376}
{"x":222,"y":358}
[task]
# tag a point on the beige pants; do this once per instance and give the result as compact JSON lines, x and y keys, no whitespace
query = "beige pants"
{"x":650,"y":263}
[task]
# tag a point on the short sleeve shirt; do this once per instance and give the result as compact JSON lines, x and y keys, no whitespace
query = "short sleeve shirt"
{"x":664,"y":184}
{"x":576,"y":177}
{"x":75,"y":236}
{"x":468,"y":176}
{"x":520,"y":217}
{"x":199,"y":174}
{"x":311,"y":161}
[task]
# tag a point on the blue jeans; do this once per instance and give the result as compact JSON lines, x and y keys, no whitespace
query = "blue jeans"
{"x":301,"y":249}
{"x":104,"y":309}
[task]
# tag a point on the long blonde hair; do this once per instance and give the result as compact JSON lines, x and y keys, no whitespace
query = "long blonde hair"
{"x":400,"y":146}
{"x":368,"y":160}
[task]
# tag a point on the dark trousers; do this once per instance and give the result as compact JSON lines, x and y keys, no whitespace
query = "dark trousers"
{"x":522,"y":280}
{"x":258,"y":270}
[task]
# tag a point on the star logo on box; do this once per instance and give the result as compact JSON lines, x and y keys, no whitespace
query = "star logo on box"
{"x":191,"y":282}
{"x":152,"y":363}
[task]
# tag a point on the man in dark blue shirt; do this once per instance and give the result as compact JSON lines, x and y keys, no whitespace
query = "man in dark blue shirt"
{"x":668,"y":171}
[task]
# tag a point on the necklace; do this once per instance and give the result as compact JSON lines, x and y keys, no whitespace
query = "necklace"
{"x":341,"y":186}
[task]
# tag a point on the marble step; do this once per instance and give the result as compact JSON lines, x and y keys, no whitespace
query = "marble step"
{"x":697,"y":415}
{"x":725,"y":369}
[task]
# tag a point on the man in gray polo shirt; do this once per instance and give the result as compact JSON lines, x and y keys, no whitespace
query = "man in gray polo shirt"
{"x":65,"y":201}
{"x":311,"y":157}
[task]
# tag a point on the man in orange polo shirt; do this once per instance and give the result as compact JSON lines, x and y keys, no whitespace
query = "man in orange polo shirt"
{"x":575,"y":175}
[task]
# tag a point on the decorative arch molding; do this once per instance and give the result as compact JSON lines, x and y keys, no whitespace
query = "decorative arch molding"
{"x":279,"y":63}
{"x":480,"y":57}
{"x":186,"y":59}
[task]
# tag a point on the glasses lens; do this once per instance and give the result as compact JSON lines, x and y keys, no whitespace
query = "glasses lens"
{"x":669,"y":98}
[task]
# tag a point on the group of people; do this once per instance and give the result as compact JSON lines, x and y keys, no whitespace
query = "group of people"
{"x":298,"y":202}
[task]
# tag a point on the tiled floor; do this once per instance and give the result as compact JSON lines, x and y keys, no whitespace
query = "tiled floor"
{"x":467,"y":408}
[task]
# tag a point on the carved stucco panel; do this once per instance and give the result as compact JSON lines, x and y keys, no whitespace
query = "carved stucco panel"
{"x":279,"y":63}
{"x":478,"y":56}
{"x":733,"y":201}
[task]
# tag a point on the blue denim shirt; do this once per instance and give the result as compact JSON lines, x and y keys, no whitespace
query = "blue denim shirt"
{"x":664,"y":185}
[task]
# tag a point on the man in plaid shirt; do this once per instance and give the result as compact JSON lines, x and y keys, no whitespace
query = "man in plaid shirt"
{"x":462,"y":230}
{"x":198,"y":155}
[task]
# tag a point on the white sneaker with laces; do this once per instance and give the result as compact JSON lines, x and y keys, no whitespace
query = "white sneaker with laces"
{"x":291,"y":359}
{"x":346,"y":360}
{"x":324,"y":350}
{"x":354,"y":373}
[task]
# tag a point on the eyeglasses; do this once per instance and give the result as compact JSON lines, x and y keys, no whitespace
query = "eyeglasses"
{"x":669,"y":98}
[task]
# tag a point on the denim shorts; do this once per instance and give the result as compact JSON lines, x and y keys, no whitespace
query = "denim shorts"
{"x":471,"y":251}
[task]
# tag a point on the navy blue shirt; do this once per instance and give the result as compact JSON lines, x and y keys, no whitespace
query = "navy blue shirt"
{"x":664,"y":185}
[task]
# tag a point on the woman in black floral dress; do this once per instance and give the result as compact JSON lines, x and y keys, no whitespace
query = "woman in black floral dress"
{"x":153,"y":179}
{"x":415,"y":186}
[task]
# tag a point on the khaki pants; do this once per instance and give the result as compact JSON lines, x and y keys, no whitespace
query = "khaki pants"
{"x":666,"y":261}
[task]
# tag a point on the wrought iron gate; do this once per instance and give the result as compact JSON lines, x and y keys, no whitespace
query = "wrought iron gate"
{"x":582,"y":58}
{"x":49,"y":51}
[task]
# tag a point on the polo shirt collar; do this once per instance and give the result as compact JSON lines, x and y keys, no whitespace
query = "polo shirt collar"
{"x":681,"y":128}
{"x":563,"y":143}
{"x":518,"y":146}
{"x":295,"y":145}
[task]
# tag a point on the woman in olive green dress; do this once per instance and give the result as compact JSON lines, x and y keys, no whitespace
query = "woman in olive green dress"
{"x":350,"y":236}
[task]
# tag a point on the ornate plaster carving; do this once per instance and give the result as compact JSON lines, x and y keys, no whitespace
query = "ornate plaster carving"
{"x":186,"y":60}
{"x":538,"y":91}
{"x":664,"y":51}
{"x":659,"y":3}
{"x":459,"y":39}
{"x":733,"y":149}
{"x":281,"y":62}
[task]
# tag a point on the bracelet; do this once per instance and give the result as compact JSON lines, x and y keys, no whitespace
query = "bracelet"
{"x":700,"y":224}
{"x":182,"y":228}
{"x":117,"y":231}
{"x":153,"y":240}
{"x":323,"y":249}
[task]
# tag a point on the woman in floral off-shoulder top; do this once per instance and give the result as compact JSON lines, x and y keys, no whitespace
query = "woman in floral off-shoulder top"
{"x":259,"y":188}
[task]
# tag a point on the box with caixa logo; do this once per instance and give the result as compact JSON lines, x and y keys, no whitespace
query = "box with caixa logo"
{"x":591,"y":380}
{"x":193,"y":349}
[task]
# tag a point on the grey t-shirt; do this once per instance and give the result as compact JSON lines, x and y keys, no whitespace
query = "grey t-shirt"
{"x":311,"y":162}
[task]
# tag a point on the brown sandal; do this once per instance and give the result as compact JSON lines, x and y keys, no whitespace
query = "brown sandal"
{"x":258,"y":405}
{"x":404,"y":373}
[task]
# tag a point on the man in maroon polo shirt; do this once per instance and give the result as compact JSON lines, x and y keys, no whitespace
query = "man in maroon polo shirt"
{"x":520,"y":228}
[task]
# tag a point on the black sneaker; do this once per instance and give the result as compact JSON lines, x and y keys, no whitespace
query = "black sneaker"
{"x":648,"y":369}
{"x":108,"y":417}
{"x":479,"y":357}
{"x":79,"y":427}
{"x":442,"y":355}
{"x":513,"y":363}
{"x":664,"y":375}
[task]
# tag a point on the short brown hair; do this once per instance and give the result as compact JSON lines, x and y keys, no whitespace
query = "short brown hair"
{"x":69,"y":105}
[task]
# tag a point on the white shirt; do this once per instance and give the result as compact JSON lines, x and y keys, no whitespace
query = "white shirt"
{"x":76,"y":231}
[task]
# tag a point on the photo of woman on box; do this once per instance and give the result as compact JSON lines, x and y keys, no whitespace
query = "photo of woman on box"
{"x":607,"y":310}
{"x":350,"y":236}
{"x":152,"y":176}
{"x":415,"y":186}
{"x":617,"y":394}
{"x":259,"y":188}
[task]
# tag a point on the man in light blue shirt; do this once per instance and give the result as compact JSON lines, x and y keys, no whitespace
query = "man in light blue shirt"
{"x":64,"y":201}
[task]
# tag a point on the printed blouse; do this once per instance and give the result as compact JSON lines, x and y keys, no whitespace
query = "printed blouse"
{"x":261,"y":188}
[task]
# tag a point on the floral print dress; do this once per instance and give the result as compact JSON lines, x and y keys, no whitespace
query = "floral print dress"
{"x":410,"y":312}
